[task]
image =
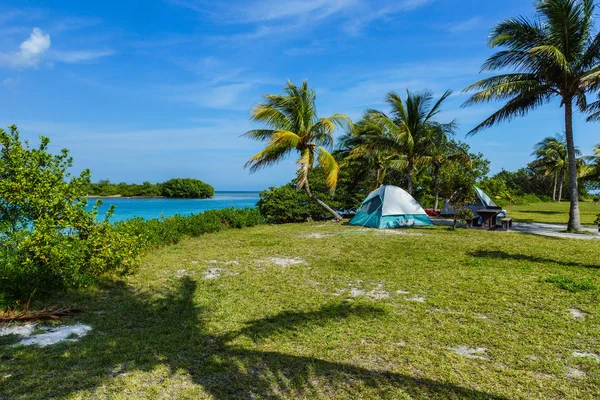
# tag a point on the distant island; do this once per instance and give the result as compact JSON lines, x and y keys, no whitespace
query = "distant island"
{"x":178,"y":188}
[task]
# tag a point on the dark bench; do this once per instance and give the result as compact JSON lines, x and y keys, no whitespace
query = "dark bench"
{"x":506,"y":223}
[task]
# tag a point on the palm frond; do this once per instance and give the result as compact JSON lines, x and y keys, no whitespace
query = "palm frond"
{"x":330,"y":167}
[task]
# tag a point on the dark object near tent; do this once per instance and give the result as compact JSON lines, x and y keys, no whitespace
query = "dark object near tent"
{"x":484,"y":202}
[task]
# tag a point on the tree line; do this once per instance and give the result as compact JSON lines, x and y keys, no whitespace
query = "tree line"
{"x":554,"y":54}
{"x":187,"y":188}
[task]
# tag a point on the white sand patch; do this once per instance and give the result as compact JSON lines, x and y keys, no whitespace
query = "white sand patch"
{"x":574,"y":373}
{"x":214,"y":273}
{"x":482,"y":316}
{"x":20,"y":330}
{"x":418,"y":299}
{"x":402,"y":292}
{"x":577,"y":314}
{"x":317,"y":235}
{"x":54,"y":335}
{"x":593,"y":356}
{"x":531,"y":357}
{"x":478,"y":352}
{"x":286,"y":262}
{"x":194,"y":262}
{"x":182,"y":273}
{"x":379,"y":293}
{"x":231,"y":262}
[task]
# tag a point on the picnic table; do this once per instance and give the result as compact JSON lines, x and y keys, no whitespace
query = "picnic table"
{"x":488,"y":217}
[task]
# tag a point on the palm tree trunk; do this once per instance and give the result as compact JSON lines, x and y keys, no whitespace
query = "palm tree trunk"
{"x":436,"y":180}
{"x":319,"y":202}
{"x":378,"y":183}
{"x":574,"y":221}
{"x":562,"y":178}
{"x":410,"y":172}
{"x":555,"y":179}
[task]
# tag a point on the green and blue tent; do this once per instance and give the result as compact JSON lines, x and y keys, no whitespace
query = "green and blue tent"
{"x":390,"y":207}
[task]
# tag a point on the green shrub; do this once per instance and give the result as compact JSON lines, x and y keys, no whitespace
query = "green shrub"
{"x":286,"y":204}
{"x":156,"y":233}
{"x":49,"y":240}
{"x":187,"y":188}
{"x":567,"y":283}
{"x":597,"y":221}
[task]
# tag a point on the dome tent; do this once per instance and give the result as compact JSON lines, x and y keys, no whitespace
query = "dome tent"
{"x":390,"y":207}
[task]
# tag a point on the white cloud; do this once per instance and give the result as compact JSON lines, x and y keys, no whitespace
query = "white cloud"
{"x":220,"y":96}
{"x":11,"y":82}
{"x":79,"y":56}
{"x":30,"y":53}
{"x":467,"y":25}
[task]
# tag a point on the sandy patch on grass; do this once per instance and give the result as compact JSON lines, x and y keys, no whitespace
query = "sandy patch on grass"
{"x":574,"y":373}
{"x":418,"y":299}
{"x":478,"y":352}
{"x":593,"y":356}
{"x":215,"y":273}
{"x":231,"y":262}
{"x":577,"y":314}
{"x":182,"y":273}
{"x":287,"y":262}
{"x":356,"y":290}
{"x":51,"y":335}
{"x":317,"y":235}
{"x":20,"y":330}
{"x":482,"y":316}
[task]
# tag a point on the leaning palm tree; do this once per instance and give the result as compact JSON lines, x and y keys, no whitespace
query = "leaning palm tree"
{"x":554,"y":54}
{"x":552,"y":154}
{"x":404,"y":135}
{"x":591,"y":170}
{"x":293,"y":125}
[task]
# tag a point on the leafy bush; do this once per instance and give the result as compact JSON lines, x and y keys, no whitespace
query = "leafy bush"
{"x":156,"y":233}
{"x":286,"y":204}
{"x":187,"y":188}
{"x":597,"y":221}
{"x":48,"y":238}
{"x":567,"y":283}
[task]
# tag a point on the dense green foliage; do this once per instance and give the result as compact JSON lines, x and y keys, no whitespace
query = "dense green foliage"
{"x":176,"y":188}
{"x":187,"y":188}
{"x":287,"y":204}
{"x":156,"y":233}
{"x":48,"y":239}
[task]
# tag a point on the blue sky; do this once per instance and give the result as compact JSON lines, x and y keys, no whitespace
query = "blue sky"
{"x":154,"y":89}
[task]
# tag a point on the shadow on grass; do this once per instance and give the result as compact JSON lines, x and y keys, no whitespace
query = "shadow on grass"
{"x":501,"y":255}
{"x":140,"y":332}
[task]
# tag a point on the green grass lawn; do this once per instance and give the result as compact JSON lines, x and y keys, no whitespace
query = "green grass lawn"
{"x":331,"y":311}
{"x":553,"y":212}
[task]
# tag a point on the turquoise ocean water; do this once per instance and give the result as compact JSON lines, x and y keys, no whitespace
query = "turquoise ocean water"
{"x":155,"y":208}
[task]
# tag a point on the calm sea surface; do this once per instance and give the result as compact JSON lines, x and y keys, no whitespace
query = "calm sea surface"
{"x":155,"y":208}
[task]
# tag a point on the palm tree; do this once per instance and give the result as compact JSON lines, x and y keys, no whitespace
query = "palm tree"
{"x":358,"y":145}
{"x":591,"y":170}
{"x":554,"y":54}
{"x":402,"y":138}
{"x":552,"y":155}
{"x":293,"y":124}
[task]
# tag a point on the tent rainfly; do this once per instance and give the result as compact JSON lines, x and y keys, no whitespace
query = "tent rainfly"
{"x":483,"y":201}
{"x":390,"y":207}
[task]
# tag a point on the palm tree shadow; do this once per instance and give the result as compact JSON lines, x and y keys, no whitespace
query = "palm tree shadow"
{"x":141,"y":331}
{"x":502,"y":255}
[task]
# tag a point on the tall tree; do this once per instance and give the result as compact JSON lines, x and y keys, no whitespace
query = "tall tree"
{"x":552,"y":154}
{"x":442,"y":151}
{"x":403,"y":137}
{"x":555,"y":54}
{"x":293,"y":125}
